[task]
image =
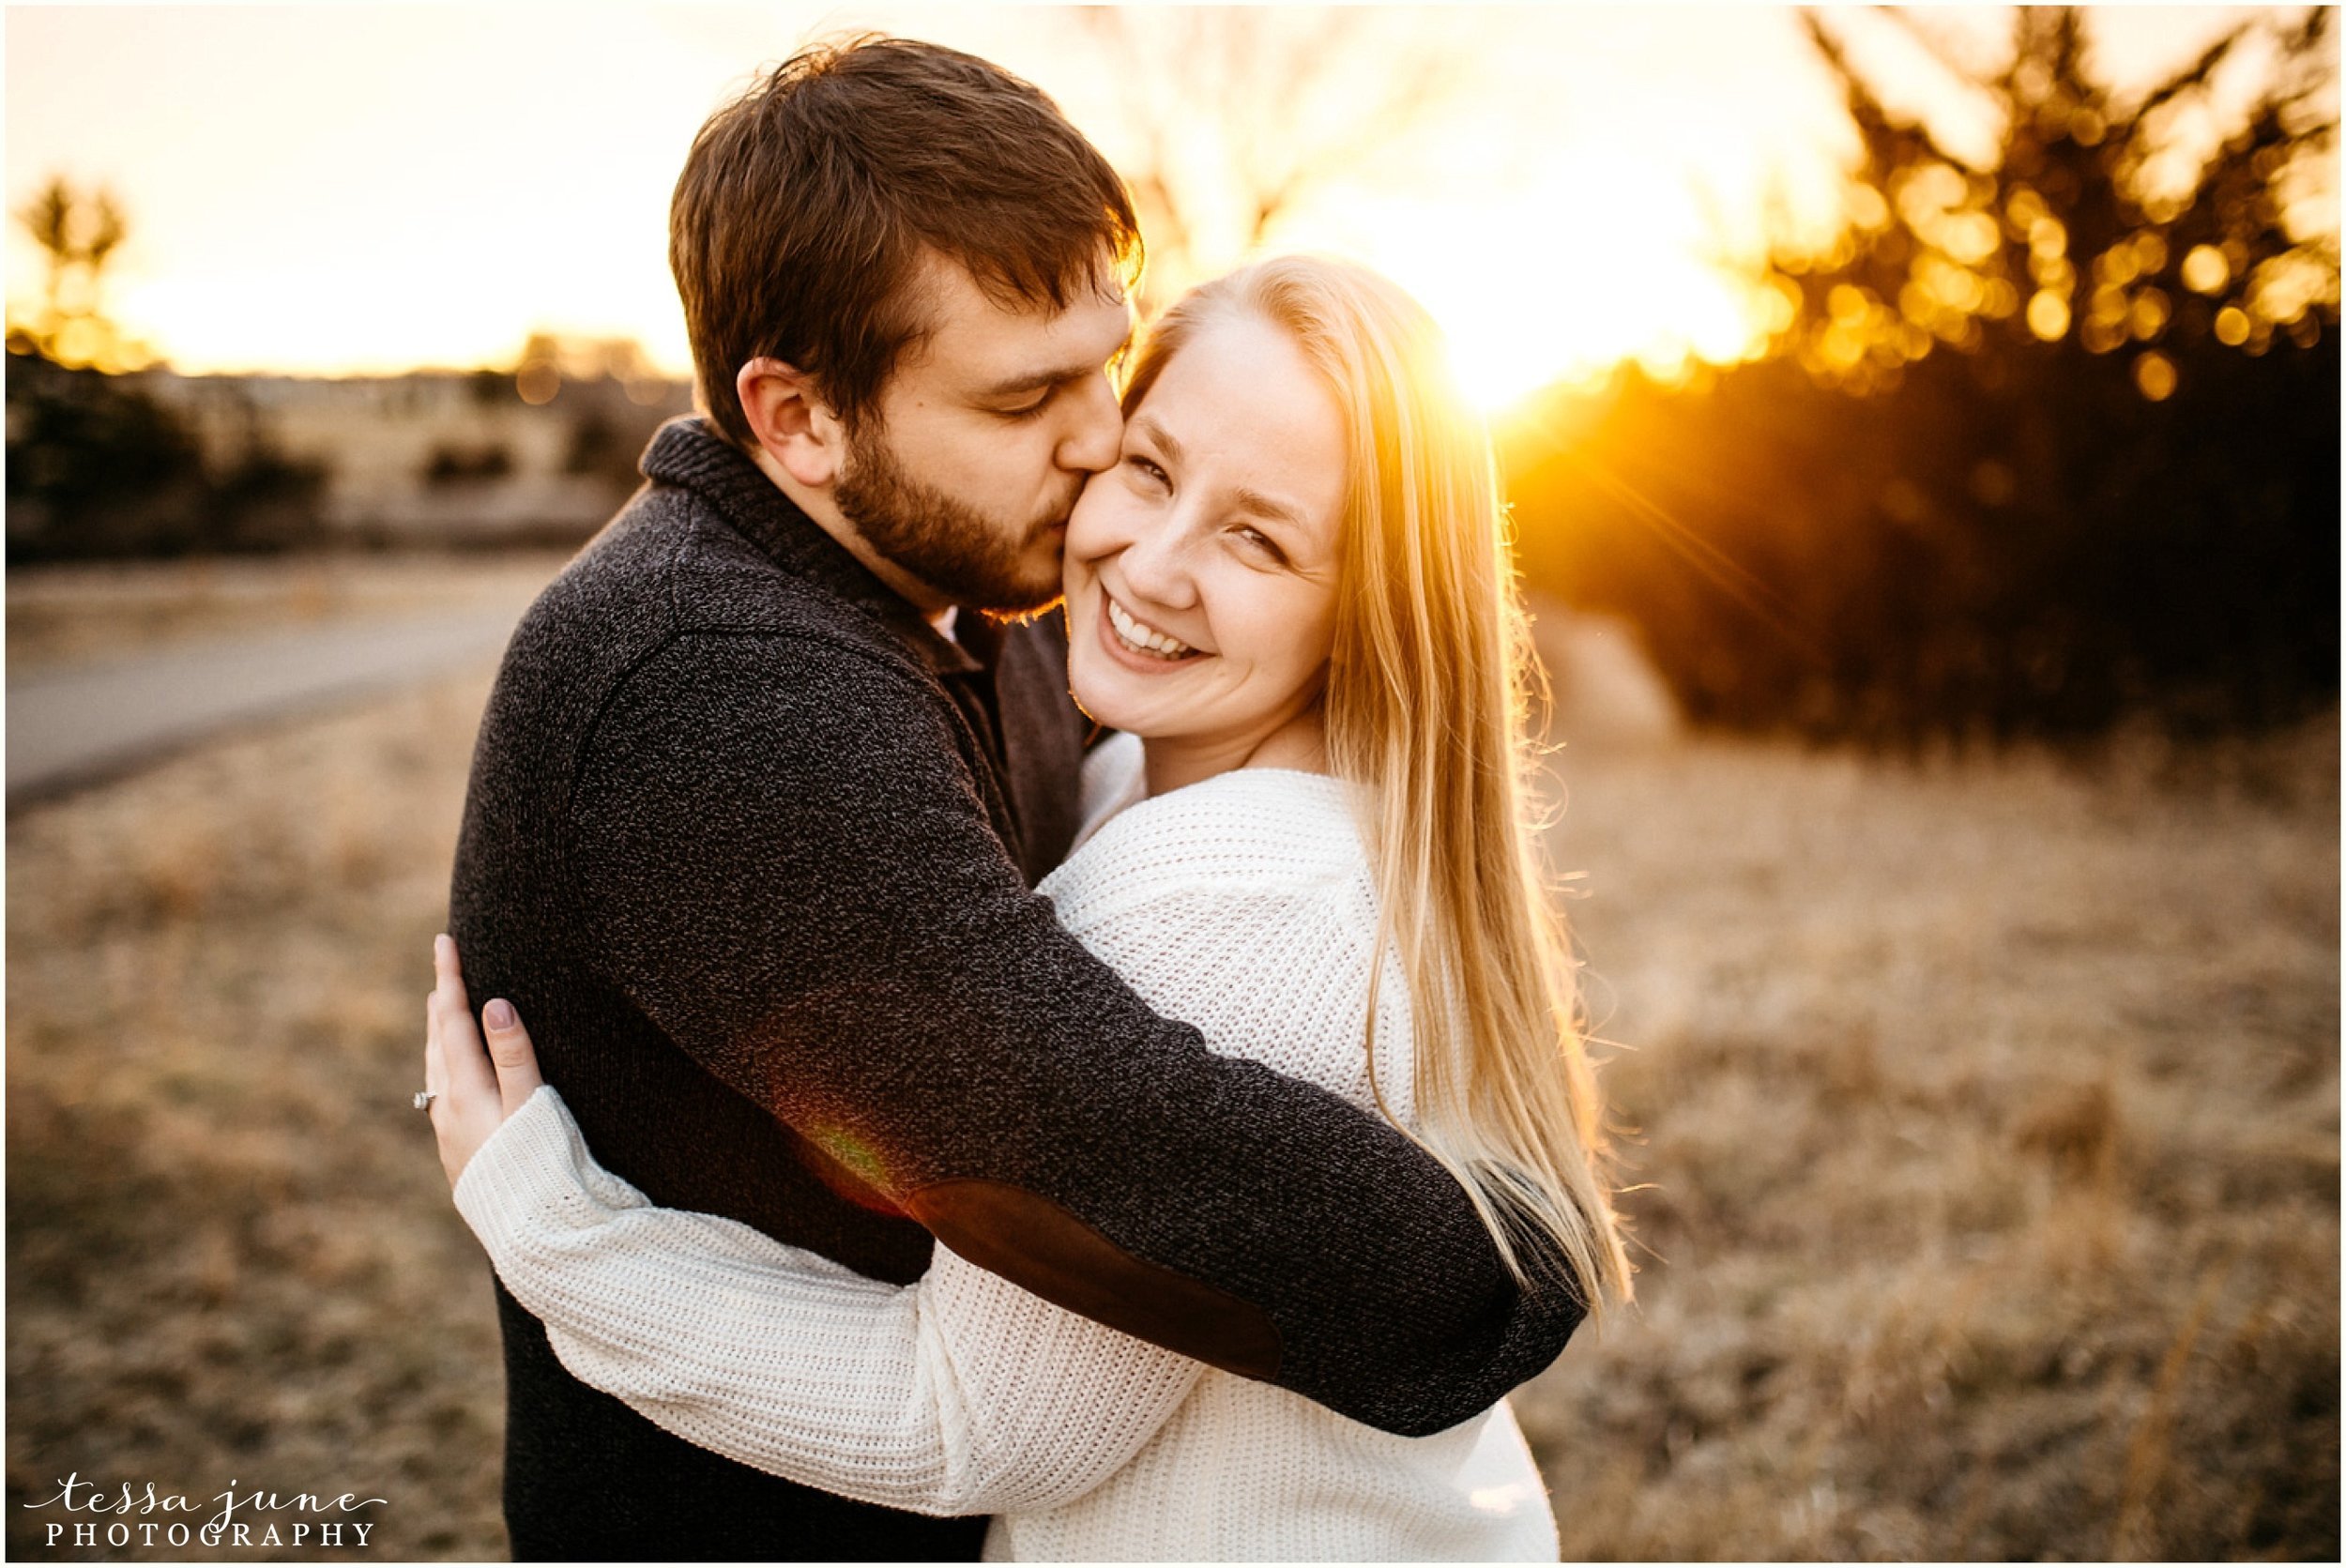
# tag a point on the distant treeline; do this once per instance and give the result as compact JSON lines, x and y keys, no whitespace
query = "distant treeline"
{"x":2039,"y":444}
{"x":2008,"y":544}
{"x":100,"y":468}
{"x":109,"y":466}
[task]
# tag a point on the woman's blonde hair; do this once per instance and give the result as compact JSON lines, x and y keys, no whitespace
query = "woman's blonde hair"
{"x":1428,"y":698}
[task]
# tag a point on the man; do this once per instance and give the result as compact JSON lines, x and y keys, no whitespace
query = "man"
{"x":758,"y":802}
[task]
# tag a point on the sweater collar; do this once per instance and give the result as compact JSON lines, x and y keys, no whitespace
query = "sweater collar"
{"x":686,"y":452}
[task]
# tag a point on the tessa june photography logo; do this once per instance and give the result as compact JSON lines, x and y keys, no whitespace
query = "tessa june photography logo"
{"x":89,"y":1514}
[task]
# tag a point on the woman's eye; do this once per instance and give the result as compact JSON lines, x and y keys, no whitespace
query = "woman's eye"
{"x":1260,"y":543}
{"x":1149,"y":471}
{"x":1037,"y":406}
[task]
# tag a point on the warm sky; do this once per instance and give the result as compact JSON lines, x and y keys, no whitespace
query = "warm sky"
{"x":338,"y":189}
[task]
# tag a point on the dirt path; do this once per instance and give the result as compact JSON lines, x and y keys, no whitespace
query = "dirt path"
{"x":75,"y":725}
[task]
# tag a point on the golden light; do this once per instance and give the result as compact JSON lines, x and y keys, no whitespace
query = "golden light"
{"x":2155,"y":376}
{"x":1842,"y":347}
{"x":1924,"y":196}
{"x":2149,"y":314}
{"x":1502,"y":352}
{"x":1583,"y":253}
{"x":2205,"y":270}
{"x":1564,"y":312}
{"x":2231,"y":326}
{"x":2048,"y":314}
{"x":79,"y":341}
{"x":1971,"y":237}
{"x":1943,"y":282}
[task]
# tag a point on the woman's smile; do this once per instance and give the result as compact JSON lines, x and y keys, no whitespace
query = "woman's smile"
{"x":1144,"y":644}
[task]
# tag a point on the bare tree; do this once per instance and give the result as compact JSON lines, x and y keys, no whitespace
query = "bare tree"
{"x":78,"y":233}
{"x":2096,"y":220}
{"x":1233,"y":117}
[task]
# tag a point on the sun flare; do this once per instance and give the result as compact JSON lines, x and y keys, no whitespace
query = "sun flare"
{"x":1531,"y":293}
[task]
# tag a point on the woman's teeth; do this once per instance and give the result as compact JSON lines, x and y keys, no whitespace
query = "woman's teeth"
{"x":1142,"y":638}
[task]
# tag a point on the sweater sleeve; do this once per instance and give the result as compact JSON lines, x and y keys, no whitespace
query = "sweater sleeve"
{"x":862,"y":958}
{"x":960,"y":1394}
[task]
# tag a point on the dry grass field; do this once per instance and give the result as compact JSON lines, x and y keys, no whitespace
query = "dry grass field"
{"x":1985,"y":1121}
{"x":1988,"y":1115}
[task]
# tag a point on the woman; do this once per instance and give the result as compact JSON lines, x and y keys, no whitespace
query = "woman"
{"x":1292,"y":596}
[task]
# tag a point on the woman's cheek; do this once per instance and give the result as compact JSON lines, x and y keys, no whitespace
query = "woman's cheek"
{"x":1301,"y":633}
{"x":1096,"y":524}
{"x":1075,"y":572}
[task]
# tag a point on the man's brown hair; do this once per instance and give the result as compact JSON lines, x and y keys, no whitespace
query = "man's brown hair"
{"x":805,"y":206}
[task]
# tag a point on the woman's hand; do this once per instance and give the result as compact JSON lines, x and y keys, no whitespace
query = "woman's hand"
{"x":474,"y":1088}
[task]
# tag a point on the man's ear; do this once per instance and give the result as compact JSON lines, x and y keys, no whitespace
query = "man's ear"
{"x":791,"y":421}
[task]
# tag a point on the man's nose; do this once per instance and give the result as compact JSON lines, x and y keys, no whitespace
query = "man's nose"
{"x":1096,"y":429}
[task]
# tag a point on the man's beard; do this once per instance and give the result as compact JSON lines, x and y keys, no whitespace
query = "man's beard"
{"x":954,"y":549}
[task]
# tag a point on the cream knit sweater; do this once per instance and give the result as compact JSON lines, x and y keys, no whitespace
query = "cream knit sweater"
{"x":1242,"y":905}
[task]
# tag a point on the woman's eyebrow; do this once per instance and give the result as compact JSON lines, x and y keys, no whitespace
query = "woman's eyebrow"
{"x":1159,"y":438}
{"x":1268,"y":506}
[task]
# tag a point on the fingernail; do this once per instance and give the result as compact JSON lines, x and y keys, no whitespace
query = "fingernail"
{"x":440,"y":945}
{"x":498,"y":1014}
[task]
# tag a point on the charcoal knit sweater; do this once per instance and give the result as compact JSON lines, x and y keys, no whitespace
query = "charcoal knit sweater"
{"x":752,"y":849}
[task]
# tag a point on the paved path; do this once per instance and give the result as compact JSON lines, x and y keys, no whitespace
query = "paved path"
{"x":73,"y":726}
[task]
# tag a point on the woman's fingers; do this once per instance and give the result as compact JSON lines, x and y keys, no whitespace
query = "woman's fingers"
{"x":434,"y":1058}
{"x":463,"y":1057}
{"x":516,"y":1060}
{"x":467,"y":1105}
{"x":447,"y":968}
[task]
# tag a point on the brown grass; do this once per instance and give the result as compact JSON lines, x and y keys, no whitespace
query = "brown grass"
{"x":1987,"y":1114}
{"x":1987,"y":1118}
{"x":231,"y":1256}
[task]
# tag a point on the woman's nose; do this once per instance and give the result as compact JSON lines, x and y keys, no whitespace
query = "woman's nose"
{"x":1156,"y":564}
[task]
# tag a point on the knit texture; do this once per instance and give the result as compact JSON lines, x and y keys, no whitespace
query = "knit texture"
{"x":1242,"y":905}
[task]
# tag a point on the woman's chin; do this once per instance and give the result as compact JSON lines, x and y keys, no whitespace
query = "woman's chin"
{"x":1106,"y":696}
{"x":1103,"y":704}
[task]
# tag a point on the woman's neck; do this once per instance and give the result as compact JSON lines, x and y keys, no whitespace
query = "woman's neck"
{"x":1175,"y":762}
